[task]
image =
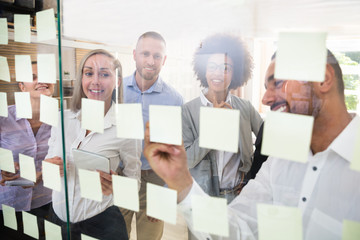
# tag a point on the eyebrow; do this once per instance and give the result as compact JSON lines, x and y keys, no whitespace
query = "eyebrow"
{"x":92,"y":68}
{"x":270,"y":78}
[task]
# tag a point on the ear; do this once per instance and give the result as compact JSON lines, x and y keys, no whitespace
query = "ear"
{"x":164,"y":60}
{"x":329,"y":81}
{"x":21,"y":86}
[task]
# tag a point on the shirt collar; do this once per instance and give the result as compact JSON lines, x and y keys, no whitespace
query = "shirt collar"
{"x":156,"y":87}
{"x":206,"y":102}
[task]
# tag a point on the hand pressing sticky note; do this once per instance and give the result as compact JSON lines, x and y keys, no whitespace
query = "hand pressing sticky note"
{"x":210,"y":215}
{"x":85,"y":237}
{"x":4,"y":69}
{"x":161,"y":203}
{"x":49,"y":108}
{"x":287,"y":136}
{"x":9,"y":217}
{"x":23,"y":105}
{"x":90,"y":186}
{"x":51,"y":176}
{"x":165,"y":124}
{"x":46,"y":64}
{"x":6,"y":160}
{"x":27,"y":167}
{"x":350,"y":230}
{"x":292,"y":57}
{"x":22,"y":28}
{"x":126,"y":192}
{"x":30,"y":225}
{"x":92,"y":115}
{"x":23,"y":68}
{"x":45,"y":25}
{"x":129,"y":121}
{"x":4,"y":39}
{"x":355,"y":161}
{"x":219,"y":129}
{"x":3,"y":105}
{"x":52,"y":231}
{"x":279,"y":222}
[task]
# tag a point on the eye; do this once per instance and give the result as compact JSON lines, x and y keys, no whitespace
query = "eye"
{"x":157,"y":56}
{"x":279,"y":83}
{"x":146,"y":54}
{"x":105,"y":74}
{"x":88,"y":74}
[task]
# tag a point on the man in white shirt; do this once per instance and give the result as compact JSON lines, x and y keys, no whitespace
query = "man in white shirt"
{"x":325,"y":189}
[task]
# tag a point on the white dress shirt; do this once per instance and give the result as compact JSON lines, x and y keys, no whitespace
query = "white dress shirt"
{"x":107,"y":144}
{"x":325,"y":189}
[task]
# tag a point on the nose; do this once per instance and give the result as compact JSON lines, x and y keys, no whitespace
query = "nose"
{"x":95,"y":79}
{"x":150,"y":60}
{"x":269,"y":97}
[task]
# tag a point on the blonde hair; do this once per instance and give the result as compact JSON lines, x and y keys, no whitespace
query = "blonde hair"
{"x":78,"y":89}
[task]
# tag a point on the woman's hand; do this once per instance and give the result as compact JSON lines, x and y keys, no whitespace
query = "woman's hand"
{"x":222,"y":104}
{"x":8,"y":176}
{"x":58,"y":161}
{"x":106,"y":182}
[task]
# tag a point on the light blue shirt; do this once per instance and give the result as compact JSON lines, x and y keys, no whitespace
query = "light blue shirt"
{"x":158,"y":94}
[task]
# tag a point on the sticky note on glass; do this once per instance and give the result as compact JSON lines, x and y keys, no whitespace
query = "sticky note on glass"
{"x":51,"y":176}
{"x":9,"y":217}
{"x":219,"y":129}
{"x":129,"y":121}
{"x":92,"y":115}
{"x":279,"y":222}
{"x":301,"y":56}
{"x":165,"y":124}
{"x":22,"y":28}
{"x":287,"y":136}
{"x":126,"y":192}
{"x":350,"y":230}
{"x":52,"y":231}
{"x":161,"y":203}
{"x":6,"y":160}
{"x":23,"y":105}
{"x":4,"y":39}
{"x":45,"y":25}
{"x":4,"y":69}
{"x":210,"y":215}
{"x":90,"y":186}
{"x":49,"y":108}
{"x":23,"y":68}
{"x":3,"y":105}
{"x":86,"y":237}
{"x":46,"y":64}
{"x":30,"y":225}
{"x":27,"y":167}
{"x":355,"y":161}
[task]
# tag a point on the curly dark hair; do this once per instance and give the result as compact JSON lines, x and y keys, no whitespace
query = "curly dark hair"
{"x":234,"y":48}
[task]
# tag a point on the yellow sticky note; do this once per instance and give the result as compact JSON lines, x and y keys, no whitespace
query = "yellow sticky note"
{"x":292,"y":57}
{"x":30,"y":225}
{"x":161,"y":203}
{"x":22,"y":28}
{"x":86,"y":237}
{"x":90,"y":186}
{"x":23,"y":105}
{"x":23,"y":68}
{"x":27,"y":167}
{"x":4,"y":69}
{"x":287,"y":136}
{"x":52,"y":231}
{"x":4,"y":39}
{"x":219,"y":129}
{"x":355,"y":161}
{"x":351,"y":230}
{"x":279,"y":222}
{"x":45,"y":25}
{"x":126,"y":192}
{"x":129,"y":121}
{"x":46,"y":64}
{"x":3,"y":105}
{"x":92,"y":115}
{"x":49,"y":108}
{"x":51,"y":176}
{"x":9,"y":217}
{"x":210,"y":215}
{"x":6,"y":160}
{"x":165,"y":124}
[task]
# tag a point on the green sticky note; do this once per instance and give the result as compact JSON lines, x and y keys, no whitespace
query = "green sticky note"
{"x":3,"y":105}
{"x":4,"y":69}
{"x":355,"y":161}
{"x":9,"y":217}
{"x":126,"y":192}
{"x":86,"y":237}
{"x":46,"y":65}
{"x":30,"y":225}
{"x":49,"y":108}
{"x":45,"y":25}
{"x":51,"y":176}
{"x":351,"y":230}
{"x":27,"y":167}
{"x":23,"y":68}
{"x":129,"y":121}
{"x":90,"y":185}
{"x":23,"y":105}
{"x":279,"y":222}
{"x":4,"y":39}
{"x":92,"y":115}
{"x":22,"y":28}
{"x":52,"y":231}
{"x":6,"y":160}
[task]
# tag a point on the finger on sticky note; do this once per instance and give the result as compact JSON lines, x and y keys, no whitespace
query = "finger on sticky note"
{"x":355,"y":162}
{"x":51,"y":176}
{"x":9,"y":217}
{"x":4,"y":39}
{"x":23,"y":68}
{"x":86,"y":237}
{"x":46,"y":65}
{"x":49,"y":108}
{"x":3,"y":105}
{"x":7,"y":160}
{"x":4,"y":69}
{"x":92,"y":115}
{"x":23,"y":105}
{"x":350,"y":230}
{"x":279,"y":222}
{"x":22,"y":28}
{"x":165,"y":124}
{"x":287,"y":136}
{"x":90,"y":185}
{"x":52,"y":231}
{"x":30,"y":225}
{"x":219,"y":129}
{"x":161,"y":203}
{"x":27,"y":167}
{"x":210,"y":215}
{"x":129,"y":121}
{"x":126,"y":192}
{"x":45,"y":25}
{"x":292,"y":56}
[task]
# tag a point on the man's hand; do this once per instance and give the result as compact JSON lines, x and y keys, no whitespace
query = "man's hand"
{"x":8,"y":176}
{"x":106,"y":182}
{"x":58,"y":161}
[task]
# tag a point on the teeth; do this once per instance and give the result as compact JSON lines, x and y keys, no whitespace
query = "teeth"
{"x":96,"y":91}
{"x":149,"y":69}
{"x":217,"y":81}
{"x":281,"y":109}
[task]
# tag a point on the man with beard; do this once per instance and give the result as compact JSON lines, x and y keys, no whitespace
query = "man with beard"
{"x":145,"y":86}
{"x":324,"y":188}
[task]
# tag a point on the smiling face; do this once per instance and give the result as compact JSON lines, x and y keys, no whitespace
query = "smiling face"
{"x":219,"y":72}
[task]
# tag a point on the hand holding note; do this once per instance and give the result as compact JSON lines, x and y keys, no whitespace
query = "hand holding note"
{"x":58,"y":161}
{"x":222,"y":104}
{"x":106,"y":182}
{"x":8,"y":176}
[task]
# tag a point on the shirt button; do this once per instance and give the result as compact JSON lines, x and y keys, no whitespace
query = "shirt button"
{"x":304,"y":199}
{"x":314,"y":168}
